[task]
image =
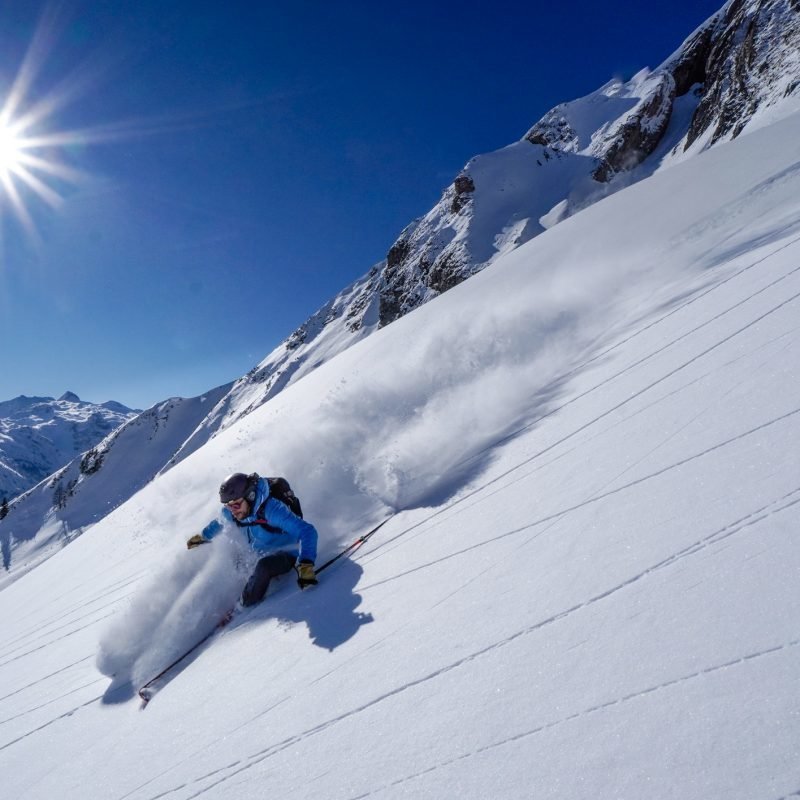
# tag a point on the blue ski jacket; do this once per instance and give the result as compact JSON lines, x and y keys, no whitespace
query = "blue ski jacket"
{"x":295,"y":535}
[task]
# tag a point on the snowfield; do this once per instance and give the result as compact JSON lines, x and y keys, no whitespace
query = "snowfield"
{"x":587,"y":586}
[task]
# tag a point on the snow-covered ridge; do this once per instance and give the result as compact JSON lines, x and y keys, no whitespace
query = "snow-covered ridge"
{"x":40,"y":434}
{"x":739,"y":67}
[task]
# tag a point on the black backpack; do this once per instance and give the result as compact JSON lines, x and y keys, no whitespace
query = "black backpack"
{"x":279,"y":489}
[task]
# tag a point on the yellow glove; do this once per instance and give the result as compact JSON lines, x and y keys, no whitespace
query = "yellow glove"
{"x":196,"y":541}
{"x":306,"y":575}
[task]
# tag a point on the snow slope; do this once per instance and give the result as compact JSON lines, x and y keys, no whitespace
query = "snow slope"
{"x":587,"y":586}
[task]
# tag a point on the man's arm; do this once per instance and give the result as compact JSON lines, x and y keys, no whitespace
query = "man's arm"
{"x":281,"y":516}
{"x":209,"y":532}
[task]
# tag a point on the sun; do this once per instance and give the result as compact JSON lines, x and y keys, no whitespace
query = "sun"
{"x":33,"y":167}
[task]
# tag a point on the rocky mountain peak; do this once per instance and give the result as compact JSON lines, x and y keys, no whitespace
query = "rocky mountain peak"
{"x":70,"y":397}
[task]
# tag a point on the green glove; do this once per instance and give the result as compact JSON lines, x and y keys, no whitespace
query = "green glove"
{"x":306,"y":575}
{"x":196,"y":541}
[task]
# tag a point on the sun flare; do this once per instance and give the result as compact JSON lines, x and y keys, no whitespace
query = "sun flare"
{"x":10,"y":151}
{"x":33,"y":169}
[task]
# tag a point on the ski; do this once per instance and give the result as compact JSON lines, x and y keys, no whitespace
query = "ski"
{"x":149,"y":689}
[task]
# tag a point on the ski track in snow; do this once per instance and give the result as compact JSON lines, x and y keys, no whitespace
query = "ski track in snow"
{"x":609,"y":704}
{"x":50,"y":642}
{"x":43,"y":632}
{"x":52,"y":721}
{"x":756,"y":516}
{"x":52,"y":700}
{"x":557,"y":515}
{"x":79,"y":606}
{"x":237,"y":768}
{"x":47,"y":677}
{"x":633,"y":336}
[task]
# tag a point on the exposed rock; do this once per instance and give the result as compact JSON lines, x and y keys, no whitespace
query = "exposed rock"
{"x":639,"y":134}
{"x":397,"y":254}
{"x":463,"y":186}
{"x":689,"y":66}
{"x":553,"y":130}
{"x":751,"y":62}
{"x":447,"y":271}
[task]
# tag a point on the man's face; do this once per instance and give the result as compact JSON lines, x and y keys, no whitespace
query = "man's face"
{"x":239,"y":508}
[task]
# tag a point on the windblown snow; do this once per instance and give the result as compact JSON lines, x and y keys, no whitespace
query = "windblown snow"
{"x":587,"y":586}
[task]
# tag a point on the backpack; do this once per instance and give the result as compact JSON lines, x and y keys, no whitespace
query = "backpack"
{"x":279,"y":489}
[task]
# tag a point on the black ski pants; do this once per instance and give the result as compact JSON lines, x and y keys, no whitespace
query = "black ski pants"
{"x":266,"y":569}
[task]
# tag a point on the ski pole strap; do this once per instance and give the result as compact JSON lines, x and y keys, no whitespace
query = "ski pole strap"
{"x":356,"y":544}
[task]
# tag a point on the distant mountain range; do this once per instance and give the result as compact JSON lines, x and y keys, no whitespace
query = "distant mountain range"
{"x":736,"y":71}
{"x":38,"y":435}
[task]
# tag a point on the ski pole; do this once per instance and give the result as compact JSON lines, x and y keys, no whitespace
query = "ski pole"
{"x":357,"y":543}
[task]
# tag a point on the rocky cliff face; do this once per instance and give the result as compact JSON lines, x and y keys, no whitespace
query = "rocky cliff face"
{"x":747,"y":58}
{"x":742,"y":60}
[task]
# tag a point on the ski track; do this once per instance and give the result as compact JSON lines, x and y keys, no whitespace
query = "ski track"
{"x":596,"y":435}
{"x":53,"y":641}
{"x":513,"y":434}
{"x":35,"y":612}
{"x":46,"y":677}
{"x":239,"y":767}
{"x":52,"y":700}
{"x":50,"y":722}
{"x":41,"y":632}
{"x":712,"y":670}
{"x":583,"y":504}
{"x":783,"y":503}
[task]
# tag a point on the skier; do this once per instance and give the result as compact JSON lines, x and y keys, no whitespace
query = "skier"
{"x":283,"y":539}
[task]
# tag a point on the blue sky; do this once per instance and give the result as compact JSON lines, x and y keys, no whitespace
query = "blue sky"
{"x":263,"y":156}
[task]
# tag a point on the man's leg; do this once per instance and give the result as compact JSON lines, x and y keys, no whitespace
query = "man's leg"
{"x":266,"y":569}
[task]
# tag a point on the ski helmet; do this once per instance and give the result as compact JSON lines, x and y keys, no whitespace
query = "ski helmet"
{"x":238,"y":485}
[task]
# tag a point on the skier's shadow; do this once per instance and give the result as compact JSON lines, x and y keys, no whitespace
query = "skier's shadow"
{"x":329,"y":610}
